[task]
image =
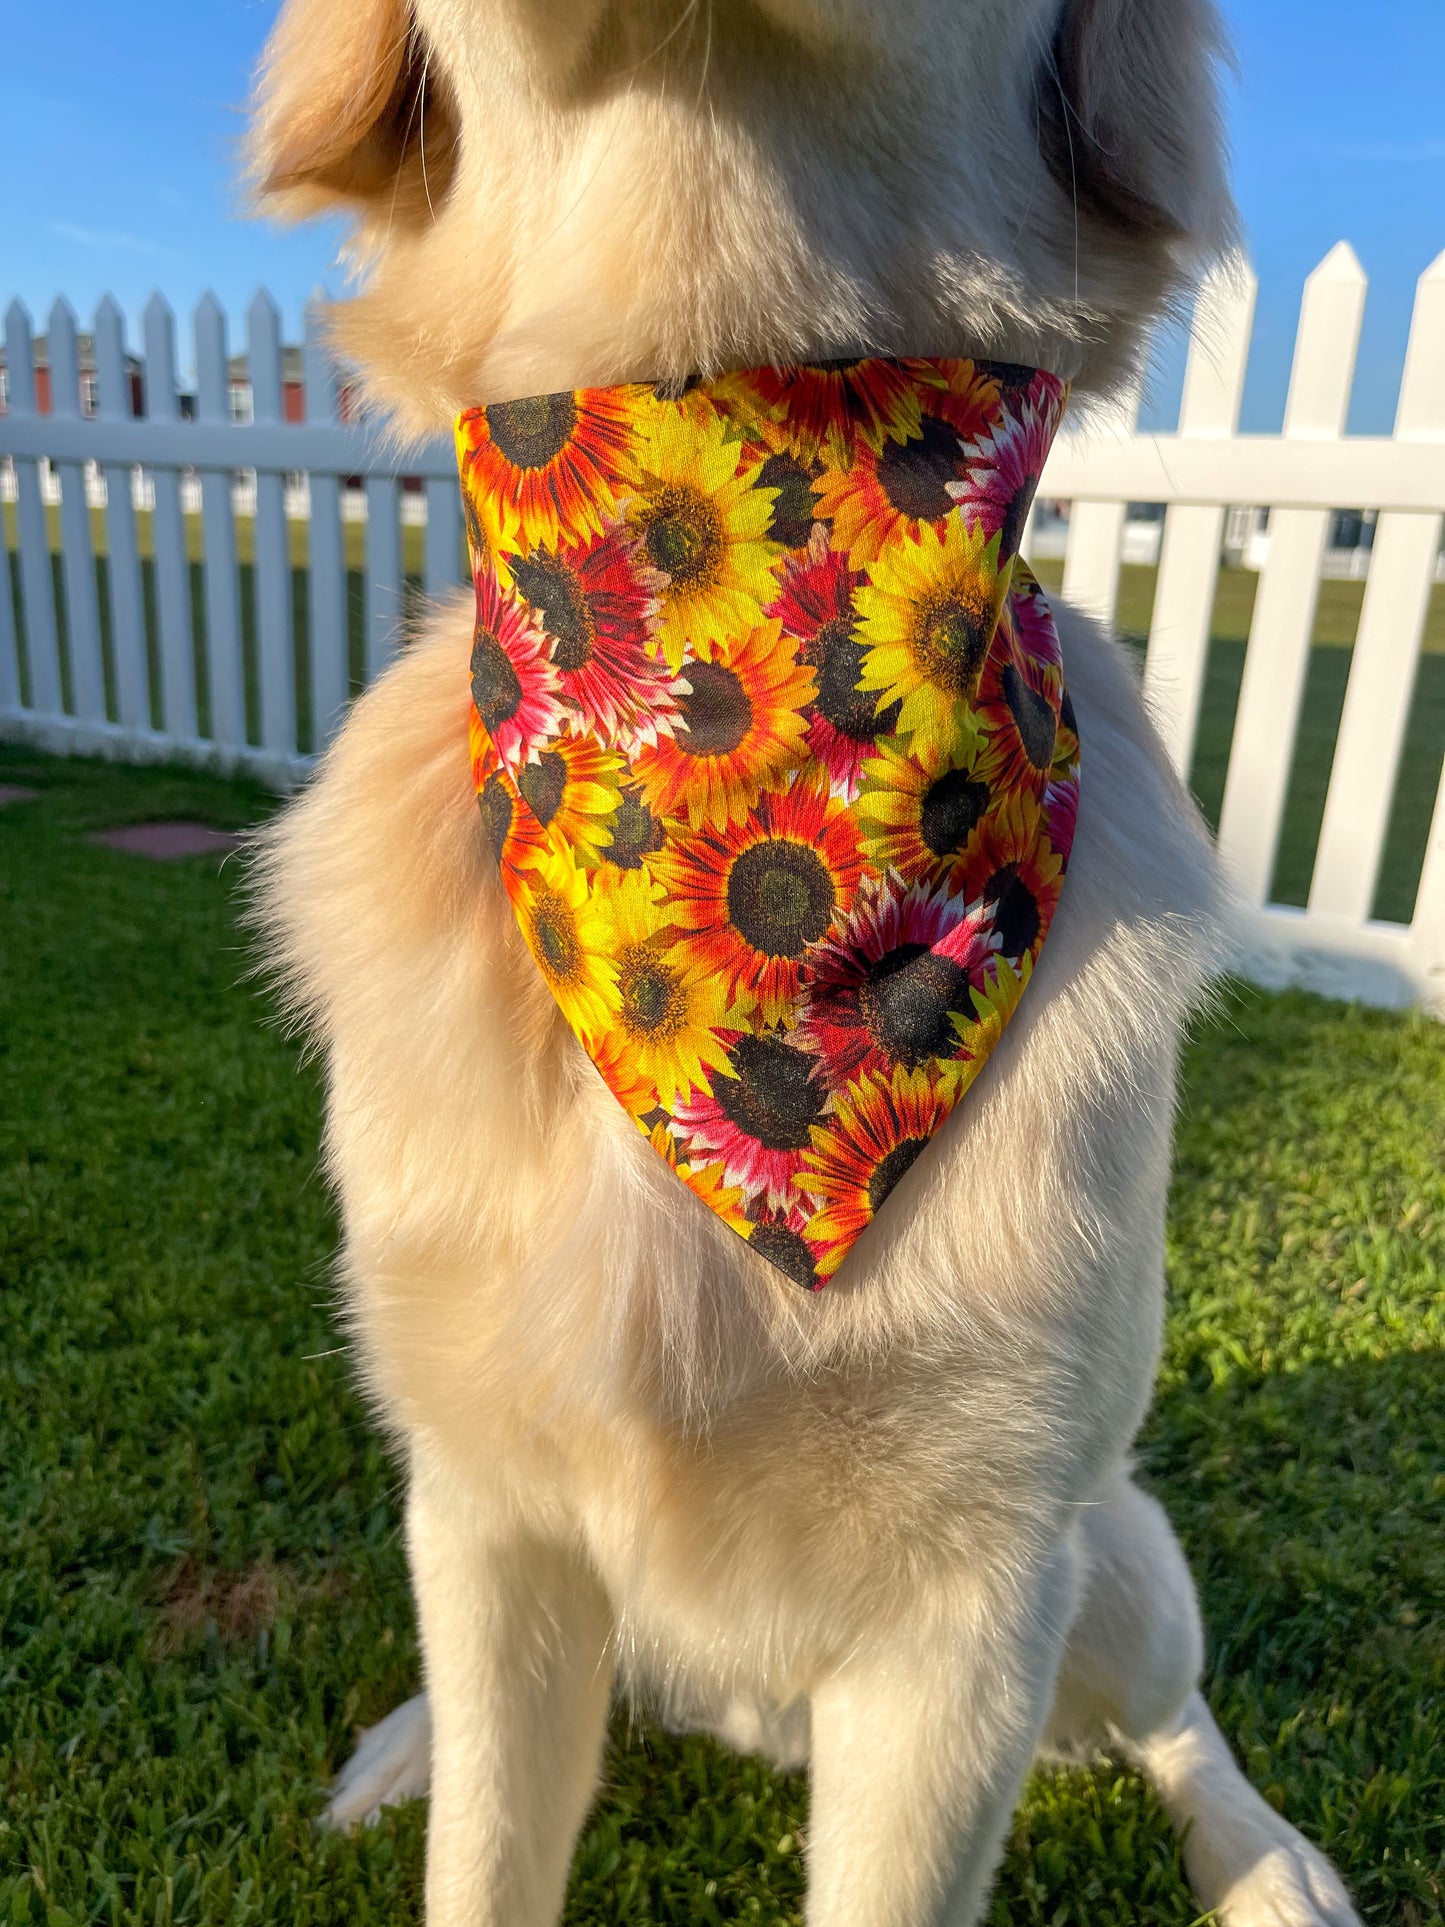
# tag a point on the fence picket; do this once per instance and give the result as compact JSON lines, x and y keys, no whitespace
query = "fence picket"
{"x":127,"y":604}
{"x":443,"y":537}
{"x":1284,"y":611}
{"x":326,"y":584}
{"x":1387,"y":646}
{"x":1096,"y":532}
{"x":224,"y":664}
{"x":275,"y":657}
{"x":37,"y":584}
{"x":1193,"y":532}
{"x":383,"y":572}
{"x":168,"y":535}
{"x":82,"y":608}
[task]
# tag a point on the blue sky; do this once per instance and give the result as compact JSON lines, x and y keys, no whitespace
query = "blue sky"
{"x":129,"y":116}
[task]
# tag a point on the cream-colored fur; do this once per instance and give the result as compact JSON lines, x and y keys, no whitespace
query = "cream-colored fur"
{"x":889,"y":1528}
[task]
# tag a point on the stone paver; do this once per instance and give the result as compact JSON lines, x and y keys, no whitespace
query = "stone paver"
{"x":164,"y":842}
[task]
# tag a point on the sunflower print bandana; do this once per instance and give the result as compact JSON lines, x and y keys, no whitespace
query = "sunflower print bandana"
{"x":771,"y":742}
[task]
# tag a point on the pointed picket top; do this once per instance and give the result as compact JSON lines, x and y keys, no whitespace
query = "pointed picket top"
{"x":1219,"y":349}
{"x":263,"y":351}
{"x":64,"y":351}
{"x":110,"y":375}
{"x":158,"y":325}
{"x":1421,"y":411}
{"x":318,"y":367}
{"x":211,"y":381}
{"x":20,"y":357}
{"x":1323,"y":375}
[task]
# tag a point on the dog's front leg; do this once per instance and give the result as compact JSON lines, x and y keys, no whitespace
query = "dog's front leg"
{"x":920,"y":1747}
{"x":516,"y":1646}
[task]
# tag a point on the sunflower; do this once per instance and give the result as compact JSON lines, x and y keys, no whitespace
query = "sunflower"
{"x":664,"y":1037}
{"x":782,"y":1238}
{"x":876,"y":1133}
{"x":875,"y":497}
{"x":635,"y":833}
{"x":921,"y":800}
{"x":741,"y":729}
{"x":892,"y":985}
{"x":707,"y":1182}
{"x":1006,"y":466}
{"x":757,"y":1114}
{"x":567,"y":935}
{"x":1012,"y":868}
{"x":702,"y":525}
{"x":514,"y":686}
{"x":1019,"y":697}
{"x":597,"y":601}
{"x":548,"y":466}
{"x":928,"y":619}
{"x":831,"y":404}
{"x":815,"y":605}
{"x":752,"y":899}
{"x":512,"y":834}
{"x":1066,"y":744}
{"x":1061,"y":816}
{"x":572,"y":789}
{"x":994,"y":1002}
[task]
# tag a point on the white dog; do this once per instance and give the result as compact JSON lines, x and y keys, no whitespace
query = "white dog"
{"x":889,"y":1529}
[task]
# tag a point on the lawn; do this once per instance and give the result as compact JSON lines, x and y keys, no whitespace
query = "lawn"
{"x":1336,"y":622}
{"x":202,"y":1585}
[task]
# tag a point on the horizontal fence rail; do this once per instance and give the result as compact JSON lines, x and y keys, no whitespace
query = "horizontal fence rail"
{"x":131,"y":621}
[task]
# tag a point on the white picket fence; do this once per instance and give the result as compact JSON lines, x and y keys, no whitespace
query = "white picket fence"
{"x":1200,"y":472}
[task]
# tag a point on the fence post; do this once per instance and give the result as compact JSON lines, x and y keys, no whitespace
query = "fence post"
{"x":223,"y":613}
{"x":168,"y":534}
{"x":274,"y":653}
{"x":82,"y":609}
{"x":127,"y":604}
{"x":1387,"y":646}
{"x":1194,"y":533}
{"x":37,"y":584}
{"x":326,"y":574}
{"x":1284,"y":610}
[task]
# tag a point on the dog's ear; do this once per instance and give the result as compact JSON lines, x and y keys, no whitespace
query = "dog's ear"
{"x":1129,"y":116}
{"x":348,"y":110}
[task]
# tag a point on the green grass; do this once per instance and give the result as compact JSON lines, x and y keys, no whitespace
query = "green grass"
{"x":202,"y":1584}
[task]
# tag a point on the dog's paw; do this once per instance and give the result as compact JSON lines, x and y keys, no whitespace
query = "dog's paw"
{"x":392,"y":1763}
{"x":1290,"y":1885}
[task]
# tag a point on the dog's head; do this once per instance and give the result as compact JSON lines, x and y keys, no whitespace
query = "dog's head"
{"x":549,"y":193}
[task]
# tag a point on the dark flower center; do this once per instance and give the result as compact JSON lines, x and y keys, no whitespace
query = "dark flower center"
{"x":653,"y":1000}
{"x":716,"y":714}
{"x":952,"y":808}
{"x":1066,"y":714}
{"x":636,"y":832}
{"x":555,"y":936}
{"x":780,"y":897}
{"x":890,"y":1168}
{"x":1015,"y":515}
{"x":773,"y":1098}
{"x":496,"y":690}
{"x":1012,"y":377}
{"x":494,"y":800}
{"x":532,"y":432}
{"x":684,"y":537}
{"x":905,"y":1001}
{"x":1015,"y":910}
{"x":1033,"y":717}
{"x":794,"y":508}
{"x":555,"y":592}
{"x":543,"y":784}
{"x":838,"y":659}
{"x":787,"y":1250}
{"x":913,"y":475}
{"x":951,"y":639}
